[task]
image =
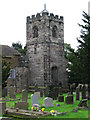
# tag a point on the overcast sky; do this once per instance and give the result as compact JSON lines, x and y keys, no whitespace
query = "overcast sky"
{"x":13,"y":15}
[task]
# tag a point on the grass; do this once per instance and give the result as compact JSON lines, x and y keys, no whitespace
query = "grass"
{"x":62,"y":108}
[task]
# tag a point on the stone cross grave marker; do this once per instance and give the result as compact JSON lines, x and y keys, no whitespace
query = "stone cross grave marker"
{"x":34,"y":99}
{"x":24,"y":95}
{"x":47,"y":102}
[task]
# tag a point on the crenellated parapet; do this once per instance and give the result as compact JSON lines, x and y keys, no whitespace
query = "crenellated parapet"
{"x":44,"y":15}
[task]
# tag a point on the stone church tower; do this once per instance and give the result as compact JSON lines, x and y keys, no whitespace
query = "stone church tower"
{"x":45,"y":49}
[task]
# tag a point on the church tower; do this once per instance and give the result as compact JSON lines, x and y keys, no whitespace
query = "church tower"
{"x":45,"y":49}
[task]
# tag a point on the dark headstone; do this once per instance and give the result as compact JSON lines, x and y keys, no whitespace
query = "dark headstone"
{"x":4,"y":92}
{"x":60,"y":91}
{"x":77,"y":93}
{"x":69,"y":99}
{"x":71,"y":89}
{"x":83,"y":92}
{"x":36,"y":88}
{"x":55,"y":93}
{"x":61,"y":99}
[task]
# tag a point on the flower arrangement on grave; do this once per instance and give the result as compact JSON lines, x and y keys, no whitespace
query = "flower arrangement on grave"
{"x":42,"y":109}
{"x":53,"y":112}
{"x":35,"y":107}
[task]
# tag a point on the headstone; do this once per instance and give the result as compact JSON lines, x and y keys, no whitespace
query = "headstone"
{"x":38,"y":93}
{"x":55,"y":93}
{"x":4,"y":92}
{"x":69,"y":99}
{"x":61,"y":99}
{"x":77,"y":93}
{"x":21,"y":105}
{"x":34,"y":99}
{"x":48,"y":102}
{"x":24,"y":95}
{"x":12,"y":93}
{"x":46,"y":91}
{"x":71,"y":89}
{"x":83,"y":92}
{"x":60,"y":91}
{"x":41,"y":93}
{"x":36,"y":88}
{"x":83,"y":103}
{"x":2,"y":108}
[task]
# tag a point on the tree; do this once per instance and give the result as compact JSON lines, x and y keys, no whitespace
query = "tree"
{"x":84,"y":48}
{"x":18,"y":46}
{"x":5,"y":72}
{"x":78,"y":65}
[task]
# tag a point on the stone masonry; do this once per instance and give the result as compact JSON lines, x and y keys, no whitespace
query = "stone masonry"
{"x":45,"y":49}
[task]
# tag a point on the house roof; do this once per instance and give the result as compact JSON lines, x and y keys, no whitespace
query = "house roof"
{"x":9,"y":51}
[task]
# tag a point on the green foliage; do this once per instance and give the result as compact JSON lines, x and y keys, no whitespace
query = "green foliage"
{"x":5,"y":72}
{"x":18,"y":46}
{"x":78,"y":65}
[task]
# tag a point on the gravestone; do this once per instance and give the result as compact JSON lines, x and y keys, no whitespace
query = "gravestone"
{"x":77,"y":93}
{"x":71,"y":89}
{"x":36,"y":88}
{"x":46,"y":91}
{"x":38,"y":93}
{"x":34,"y":99}
{"x":83,"y":92}
{"x":55,"y":92}
{"x":69,"y":99}
{"x":2,"y":108}
{"x":41,"y":93}
{"x":61,"y":98}
{"x":47,"y":102}
{"x":12,"y":93}
{"x":21,"y":105}
{"x":24,"y":95}
{"x":4,"y":92}
{"x":60,"y":91}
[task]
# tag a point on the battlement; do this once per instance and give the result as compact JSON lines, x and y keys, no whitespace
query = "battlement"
{"x":44,"y":15}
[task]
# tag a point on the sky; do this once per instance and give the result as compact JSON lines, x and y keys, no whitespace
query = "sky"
{"x":13,"y":15}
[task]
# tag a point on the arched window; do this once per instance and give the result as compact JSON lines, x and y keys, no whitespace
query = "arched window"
{"x":35,"y":32}
{"x":54,"y":31}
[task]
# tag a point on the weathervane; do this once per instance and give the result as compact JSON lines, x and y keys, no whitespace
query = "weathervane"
{"x":45,"y":9}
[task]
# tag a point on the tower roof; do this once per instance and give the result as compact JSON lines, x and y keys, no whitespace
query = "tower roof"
{"x":44,"y":11}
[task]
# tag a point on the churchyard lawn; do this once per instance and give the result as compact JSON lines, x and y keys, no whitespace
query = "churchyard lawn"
{"x":68,"y":108}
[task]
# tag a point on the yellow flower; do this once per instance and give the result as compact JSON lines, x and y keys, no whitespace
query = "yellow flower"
{"x":51,"y":111}
{"x":42,"y":109}
{"x":35,"y":108}
{"x":32,"y":108}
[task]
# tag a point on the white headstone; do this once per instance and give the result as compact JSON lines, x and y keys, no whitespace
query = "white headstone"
{"x":47,"y":102}
{"x":34,"y":99}
{"x":89,"y":8}
{"x":38,"y":93}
